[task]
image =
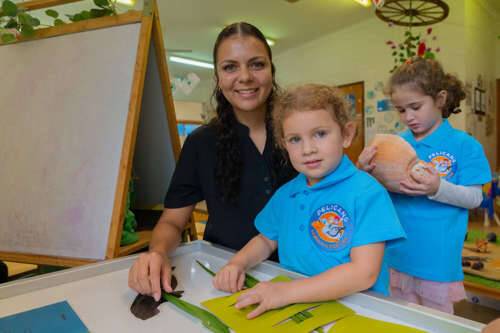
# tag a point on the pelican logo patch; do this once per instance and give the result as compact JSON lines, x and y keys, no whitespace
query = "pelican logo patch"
{"x":445,"y":164}
{"x":331,"y":228}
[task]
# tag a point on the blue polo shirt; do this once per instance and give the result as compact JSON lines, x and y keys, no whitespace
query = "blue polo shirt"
{"x":436,"y":231}
{"x":317,"y":226}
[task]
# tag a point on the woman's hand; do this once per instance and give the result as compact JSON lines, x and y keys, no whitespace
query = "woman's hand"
{"x":365,"y":159}
{"x":147,"y":272}
{"x":268,"y":295}
{"x":425,"y":182}
{"x":230,"y":278}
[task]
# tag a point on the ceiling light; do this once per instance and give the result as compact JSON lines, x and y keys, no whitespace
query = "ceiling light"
{"x":364,"y":3}
{"x":191,"y":62}
{"x":126,"y":2}
{"x":270,"y":42}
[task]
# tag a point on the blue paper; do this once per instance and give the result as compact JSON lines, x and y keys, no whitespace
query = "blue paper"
{"x":53,"y":318}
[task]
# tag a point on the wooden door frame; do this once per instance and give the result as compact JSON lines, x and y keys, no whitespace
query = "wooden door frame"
{"x":361,"y":130}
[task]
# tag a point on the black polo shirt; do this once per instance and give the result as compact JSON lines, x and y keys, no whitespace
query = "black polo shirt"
{"x":230,"y":225}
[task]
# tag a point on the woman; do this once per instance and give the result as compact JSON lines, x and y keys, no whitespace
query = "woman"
{"x":232,"y":163}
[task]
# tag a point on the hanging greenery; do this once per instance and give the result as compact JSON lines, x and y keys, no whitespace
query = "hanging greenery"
{"x":15,"y":21}
{"x":412,"y":45}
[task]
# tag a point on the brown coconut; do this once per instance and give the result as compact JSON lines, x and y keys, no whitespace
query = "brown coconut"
{"x":394,"y":160}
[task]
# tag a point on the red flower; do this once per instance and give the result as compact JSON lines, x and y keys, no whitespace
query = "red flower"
{"x":421,"y":49}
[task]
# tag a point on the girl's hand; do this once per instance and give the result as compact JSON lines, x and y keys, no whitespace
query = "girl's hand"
{"x":230,"y":278}
{"x":425,"y":183}
{"x":365,"y":159}
{"x":268,"y":295}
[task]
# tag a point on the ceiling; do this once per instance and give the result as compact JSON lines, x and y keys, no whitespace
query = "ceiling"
{"x":194,"y":24}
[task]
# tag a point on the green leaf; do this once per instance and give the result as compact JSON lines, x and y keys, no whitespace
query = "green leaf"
{"x":100,"y":12}
{"x":207,"y":319}
{"x":34,"y":21}
{"x":24,"y":18}
{"x":52,"y":13}
{"x":85,"y":15}
{"x":8,"y":38}
{"x":76,"y":17}
{"x":12,"y":24}
{"x":9,"y":8}
{"x":27,"y":31}
{"x":101,"y":3}
{"x":58,"y":22}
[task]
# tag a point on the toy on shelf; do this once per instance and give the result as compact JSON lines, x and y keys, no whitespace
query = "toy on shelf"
{"x":490,"y":192}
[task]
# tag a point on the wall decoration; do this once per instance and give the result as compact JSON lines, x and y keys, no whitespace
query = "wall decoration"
{"x":412,"y":13}
{"x":370,"y":94}
{"x":383,"y":105}
{"x":368,"y":110}
{"x":389,"y":117}
{"x":185,"y":84}
{"x":412,"y":45}
{"x":479,"y":101}
{"x":370,"y":121}
{"x":351,"y":99}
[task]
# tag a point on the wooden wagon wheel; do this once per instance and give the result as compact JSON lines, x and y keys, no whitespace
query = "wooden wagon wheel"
{"x":413,"y":13}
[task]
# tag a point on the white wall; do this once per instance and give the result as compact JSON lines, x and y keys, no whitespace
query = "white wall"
{"x":360,"y":53}
{"x":480,"y":62}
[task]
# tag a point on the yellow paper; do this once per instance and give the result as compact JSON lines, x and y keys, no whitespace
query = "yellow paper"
{"x":359,"y":323}
{"x":276,"y":320}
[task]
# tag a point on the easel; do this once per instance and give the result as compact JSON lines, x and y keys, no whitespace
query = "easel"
{"x":150,"y":34}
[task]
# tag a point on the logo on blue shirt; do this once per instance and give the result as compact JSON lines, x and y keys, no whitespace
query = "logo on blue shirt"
{"x":330,"y":227}
{"x":444,"y":163}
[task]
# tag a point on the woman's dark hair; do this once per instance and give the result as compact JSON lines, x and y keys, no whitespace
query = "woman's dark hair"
{"x":229,"y":163}
{"x":428,"y":76}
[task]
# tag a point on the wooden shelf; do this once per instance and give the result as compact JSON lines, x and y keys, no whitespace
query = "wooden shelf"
{"x":480,"y":289}
{"x":144,"y":238}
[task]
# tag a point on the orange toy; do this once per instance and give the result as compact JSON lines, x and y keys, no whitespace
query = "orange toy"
{"x":395,"y":160}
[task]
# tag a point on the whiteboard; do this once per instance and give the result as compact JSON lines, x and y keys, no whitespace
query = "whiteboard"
{"x":63,"y":108}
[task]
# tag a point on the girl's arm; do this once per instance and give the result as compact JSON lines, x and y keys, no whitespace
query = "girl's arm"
{"x":231,"y":277}
{"x":457,"y":195}
{"x":430,"y":184}
{"x":359,"y":274}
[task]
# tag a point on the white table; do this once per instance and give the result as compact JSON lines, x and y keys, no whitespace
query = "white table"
{"x":100,"y":296}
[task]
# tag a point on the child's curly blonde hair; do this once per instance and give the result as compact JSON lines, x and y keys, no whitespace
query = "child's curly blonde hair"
{"x":309,"y":97}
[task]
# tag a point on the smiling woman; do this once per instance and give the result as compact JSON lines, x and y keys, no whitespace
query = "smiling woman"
{"x":232,"y":163}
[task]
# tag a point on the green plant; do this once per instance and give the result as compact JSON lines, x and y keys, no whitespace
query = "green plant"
{"x":412,"y":45}
{"x":207,"y":319}
{"x":15,"y":21}
{"x":251,"y":281}
{"x":105,"y":8}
